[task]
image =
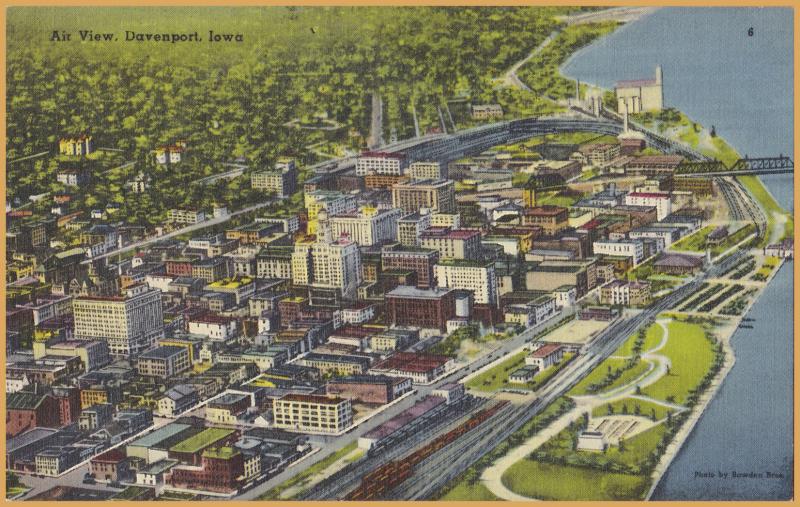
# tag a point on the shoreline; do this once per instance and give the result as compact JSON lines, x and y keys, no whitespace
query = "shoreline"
{"x":698,"y":411}
{"x":727,"y":331}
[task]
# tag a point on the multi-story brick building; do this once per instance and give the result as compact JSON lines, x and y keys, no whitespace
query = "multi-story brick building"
{"x":453,"y":243}
{"x":552,"y":219}
{"x":26,"y":410}
{"x":219,"y":472}
{"x":420,"y":260}
{"x":369,"y":388}
{"x":425,"y":308}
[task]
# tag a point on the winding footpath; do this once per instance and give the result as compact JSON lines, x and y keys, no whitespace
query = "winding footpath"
{"x":492,"y":477}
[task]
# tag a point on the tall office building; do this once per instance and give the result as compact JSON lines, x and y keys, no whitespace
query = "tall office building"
{"x":437,"y":195}
{"x":130,"y":324}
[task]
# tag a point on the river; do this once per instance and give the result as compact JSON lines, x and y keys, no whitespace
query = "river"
{"x":719,"y":75}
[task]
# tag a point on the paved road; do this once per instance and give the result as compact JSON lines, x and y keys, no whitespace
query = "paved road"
{"x":178,"y":232}
{"x":376,"y":125}
{"x":454,"y":459}
{"x":36,"y":155}
{"x":510,"y":78}
{"x":333,"y":444}
{"x":621,"y":14}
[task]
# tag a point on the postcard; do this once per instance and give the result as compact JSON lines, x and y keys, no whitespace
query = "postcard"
{"x":399,"y":253}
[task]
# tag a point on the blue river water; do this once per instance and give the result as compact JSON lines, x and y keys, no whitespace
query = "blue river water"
{"x":719,"y":75}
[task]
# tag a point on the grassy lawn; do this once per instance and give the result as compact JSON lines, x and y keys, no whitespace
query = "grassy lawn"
{"x":756,"y":187}
{"x":14,"y":491}
{"x":646,"y":408}
{"x":652,"y":338}
{"x":555,"y":482}
{"x":556,"y":199}
{"x":637,"y":448}
{"x":543,"y":377}
{"x":597,"y":375}
{"x":694,"y":242}
{"x":469,"y":492}
{"x":492,"y":379}
{"x":691,"y":355}
{"x":307,"y":474}
{"x":628,"y":374}
{"x":634,"y":455}
{"x":734,"y":239}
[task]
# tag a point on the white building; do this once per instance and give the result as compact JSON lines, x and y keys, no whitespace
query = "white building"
{"x":661,"y":201}
{"x":624,"y":248}
{"x":381,"y":163}
{"x":368,"y":226}
{"x":215,"y":327}
{"x":186,"y":216}
{"x":566,"y":296}
{"x":478,"y":277}
{"x":358,"y":314}
{"x":545,"y":356}
{"x":334,"y":265}
{"x":426,"y":170}
{"x":591,"y":441}
{"x":130,"y":324}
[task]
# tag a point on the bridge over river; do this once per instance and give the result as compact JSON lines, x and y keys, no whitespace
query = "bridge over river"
{"x":445,"y":148}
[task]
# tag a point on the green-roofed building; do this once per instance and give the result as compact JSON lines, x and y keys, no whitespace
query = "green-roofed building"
{"x":155,"y":446}
{"x":190,"y":450}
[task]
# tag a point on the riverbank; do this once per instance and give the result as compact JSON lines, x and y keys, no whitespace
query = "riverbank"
{"x":702,"y":404}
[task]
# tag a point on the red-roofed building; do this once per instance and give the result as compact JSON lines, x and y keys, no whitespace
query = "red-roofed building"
{"x":111,"y":466}
{"x":545,"y":356}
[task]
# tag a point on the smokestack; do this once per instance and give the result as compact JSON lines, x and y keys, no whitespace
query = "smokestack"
{"x":658,"y":74}
{"x":625,"y":118}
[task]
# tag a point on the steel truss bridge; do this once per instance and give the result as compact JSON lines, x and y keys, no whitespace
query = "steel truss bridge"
{"x":743,"y":166}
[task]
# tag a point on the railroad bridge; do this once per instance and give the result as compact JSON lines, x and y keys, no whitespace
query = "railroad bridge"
{"x":744,"y":166}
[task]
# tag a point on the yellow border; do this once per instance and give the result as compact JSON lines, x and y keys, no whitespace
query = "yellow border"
{"x":610,"y":3}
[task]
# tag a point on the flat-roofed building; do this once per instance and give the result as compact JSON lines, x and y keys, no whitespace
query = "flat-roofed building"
{"x":410,"y":227}
{"x":476,"y":276}
{"x":367,"y":227}
{"x":433,"y":194}
{"x":312,"y":413}
{"x":373,"y":162}
{"x":376,"y":389}
{"x":552,"y":219}
{"x":129,"y":324}
{"x":420,"y":260}
{"x":453,"y":243}
{"x":165,"y":361}
{"x":425,"y":308}
{"x":427,"y":170}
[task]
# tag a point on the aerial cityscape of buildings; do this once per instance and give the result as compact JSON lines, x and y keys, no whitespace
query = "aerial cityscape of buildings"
{"x":369,"y":311}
